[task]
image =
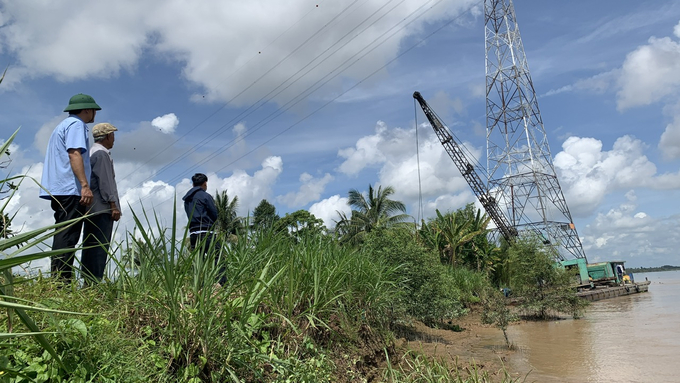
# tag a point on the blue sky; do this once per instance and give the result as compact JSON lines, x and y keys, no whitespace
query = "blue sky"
{"x":300,"y":101}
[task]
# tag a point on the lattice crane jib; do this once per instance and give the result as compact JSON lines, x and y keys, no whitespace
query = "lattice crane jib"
{"x":521,"y":175}
{"x":467,"y":170}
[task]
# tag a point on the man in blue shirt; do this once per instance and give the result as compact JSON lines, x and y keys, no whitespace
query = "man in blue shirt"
{"x":66,"y":178}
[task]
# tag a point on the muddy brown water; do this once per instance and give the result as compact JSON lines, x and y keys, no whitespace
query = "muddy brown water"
{"x":635,"y":338}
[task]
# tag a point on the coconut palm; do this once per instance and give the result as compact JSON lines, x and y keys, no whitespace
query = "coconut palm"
{"x":228,"y":221}
{"x":450,"y":233}
{"x":375,"y":210}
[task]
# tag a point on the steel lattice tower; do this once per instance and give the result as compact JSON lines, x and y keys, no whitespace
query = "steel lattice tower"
{"x":520,"y":170}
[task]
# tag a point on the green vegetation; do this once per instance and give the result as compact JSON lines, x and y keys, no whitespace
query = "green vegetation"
{"x":301,"y":304}
{"x":543,"y":288}
{"x":652,"y":269}
{"x":375,"y":211}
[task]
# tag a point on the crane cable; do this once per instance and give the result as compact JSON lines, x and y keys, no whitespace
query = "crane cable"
{"x":420,"y":185}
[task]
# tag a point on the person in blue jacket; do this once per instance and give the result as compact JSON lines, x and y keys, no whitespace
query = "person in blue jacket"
{"x":202,"y":214}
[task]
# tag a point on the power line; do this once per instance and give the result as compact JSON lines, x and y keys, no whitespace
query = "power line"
{"x":244,"y":90}
{"x":263,"y":100}
{"x":353,"y":86}
{"x":302,"y":95}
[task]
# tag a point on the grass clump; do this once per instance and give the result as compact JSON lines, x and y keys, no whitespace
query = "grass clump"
{"x":417,"y":368}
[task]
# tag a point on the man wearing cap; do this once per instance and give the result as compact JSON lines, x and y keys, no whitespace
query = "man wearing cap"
{"x":105,"y":208}
{"x":66,"y":178}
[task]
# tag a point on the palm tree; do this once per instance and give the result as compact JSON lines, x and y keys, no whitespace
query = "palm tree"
{"x":449,"y":233}
{"x":228,"y":221}
{"x":376,"y":210}
{"x":479,"y":246}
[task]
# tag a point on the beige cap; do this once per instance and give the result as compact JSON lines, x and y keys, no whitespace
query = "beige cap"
{"x":102,"y":129}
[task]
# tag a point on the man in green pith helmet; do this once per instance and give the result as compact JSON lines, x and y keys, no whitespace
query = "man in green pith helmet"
{"x":66,"y":178}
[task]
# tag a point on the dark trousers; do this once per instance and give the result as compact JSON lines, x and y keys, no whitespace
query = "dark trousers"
{"x":210,"y":245}
{"x":96,"y":242}
{"x":66,"y":208}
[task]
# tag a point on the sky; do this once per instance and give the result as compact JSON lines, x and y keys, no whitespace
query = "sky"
{"x":298,"y":102}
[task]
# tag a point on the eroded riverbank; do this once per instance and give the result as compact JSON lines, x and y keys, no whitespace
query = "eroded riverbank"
{"x":633,"y":339}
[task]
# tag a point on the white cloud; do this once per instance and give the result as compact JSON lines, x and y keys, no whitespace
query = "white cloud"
{"x":588,"y":173}
{"x":146,"y":145}
{"x":166,"y":123}
{"x":310,"y":190}
{"x":393,"y":150}
{"x":42,"y":137}
{"x":364,"y":154}
{"x":649,"y":73}
{"x":328,"y":209}
{"x":448,"y":202}
{"x":669,"y":144}
{"x":43,"y":41}
{"x":239,"y":129}
{"x":250,"y":189}
{"x":295,"y":43}
{"x":631,"y":235}
{"x":598,"y":83}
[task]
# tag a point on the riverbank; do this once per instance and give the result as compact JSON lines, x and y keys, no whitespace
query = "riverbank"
{"x":477,"y":347}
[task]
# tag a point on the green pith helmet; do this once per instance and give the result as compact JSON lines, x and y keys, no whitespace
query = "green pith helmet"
{"x":81,"y":101}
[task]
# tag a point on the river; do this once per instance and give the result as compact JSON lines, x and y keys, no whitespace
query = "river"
{"x":634,"y":338}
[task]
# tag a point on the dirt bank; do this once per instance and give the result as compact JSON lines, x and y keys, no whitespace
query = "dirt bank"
{"x":477,"y":344}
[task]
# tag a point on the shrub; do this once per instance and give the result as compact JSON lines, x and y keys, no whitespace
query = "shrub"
{"x":471,"y":285}
{"x":427,"y":294}
{"x":543,"y":288}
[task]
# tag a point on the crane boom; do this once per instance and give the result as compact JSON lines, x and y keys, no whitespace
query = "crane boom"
{"x":467,"y":169}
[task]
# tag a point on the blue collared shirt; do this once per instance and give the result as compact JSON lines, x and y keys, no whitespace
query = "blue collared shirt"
{"x":57,"y":176}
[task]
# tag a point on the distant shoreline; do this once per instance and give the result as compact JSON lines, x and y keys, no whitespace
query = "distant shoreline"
{"x":652,"y":269}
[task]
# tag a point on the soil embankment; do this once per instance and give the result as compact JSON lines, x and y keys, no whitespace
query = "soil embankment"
{"x":477,"y":345}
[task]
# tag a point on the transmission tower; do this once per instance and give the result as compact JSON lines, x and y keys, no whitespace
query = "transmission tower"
{"x":519,"y":164}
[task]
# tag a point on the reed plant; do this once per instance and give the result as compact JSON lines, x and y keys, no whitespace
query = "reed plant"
{"x":287,"y":306}
{"x":416,"y":368}
{"x":14,"y":251}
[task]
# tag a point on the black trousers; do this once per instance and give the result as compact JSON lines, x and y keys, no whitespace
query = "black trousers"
{"x":210,"y":245}
{"x":66,"y":208}
{"x":96,"y":242}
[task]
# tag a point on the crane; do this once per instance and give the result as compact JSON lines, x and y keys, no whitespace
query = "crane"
{"x":467,"y":169}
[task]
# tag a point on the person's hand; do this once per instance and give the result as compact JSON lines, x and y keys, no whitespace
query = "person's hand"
{"x":115,"y":214}
{"x":86,"y":196}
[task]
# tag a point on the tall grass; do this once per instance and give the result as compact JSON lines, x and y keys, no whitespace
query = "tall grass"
{"x":286,"y":306}
{"x":417,"y":368}
{"x":281,"y":301}
{"x":14,"y":251}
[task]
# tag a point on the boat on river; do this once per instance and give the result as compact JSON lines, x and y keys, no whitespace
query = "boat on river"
{"x":602,"y":280}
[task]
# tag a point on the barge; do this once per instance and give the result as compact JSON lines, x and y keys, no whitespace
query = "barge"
{"x":603,"y":280}
{"x":603,"y":292}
